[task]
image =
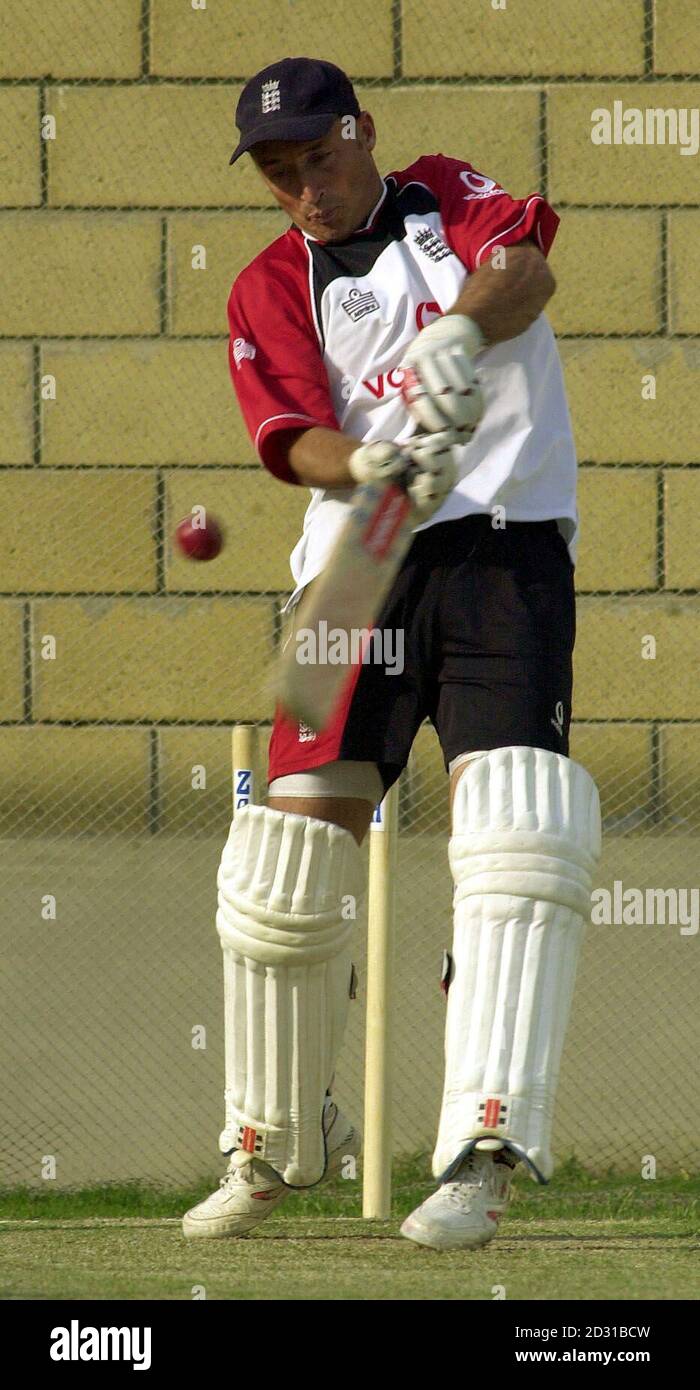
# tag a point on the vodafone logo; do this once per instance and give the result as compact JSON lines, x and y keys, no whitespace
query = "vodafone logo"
{"x":426,"y":312}
{"x":478,"y":185}
{"x":386,"y":381}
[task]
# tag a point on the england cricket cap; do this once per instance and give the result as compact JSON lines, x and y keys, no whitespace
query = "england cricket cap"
{"x":295,"y":99}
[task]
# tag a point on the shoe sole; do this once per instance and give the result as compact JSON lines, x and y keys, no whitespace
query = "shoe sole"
{"x":432,"y":1240}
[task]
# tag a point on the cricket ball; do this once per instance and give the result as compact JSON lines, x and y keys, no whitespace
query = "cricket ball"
{"x":199,"y":538}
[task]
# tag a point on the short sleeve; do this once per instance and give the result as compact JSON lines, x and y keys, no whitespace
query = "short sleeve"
{"x":275,"y":361}
{"x":476,"y":212}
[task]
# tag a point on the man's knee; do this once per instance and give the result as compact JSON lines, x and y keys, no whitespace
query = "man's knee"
{"x":344,"y":793}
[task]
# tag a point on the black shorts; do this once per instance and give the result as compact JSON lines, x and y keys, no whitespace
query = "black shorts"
{"x":488,"y":621}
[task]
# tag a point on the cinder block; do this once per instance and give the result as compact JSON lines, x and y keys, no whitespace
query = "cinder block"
{"x":618,"y":529}
{"x":682,"y":529}
{"x":76,"y":531}
{"x":20,"y":150}
{"x":195,"y":778}
{"x":614,"y":681}
{"x":11,"y":659}
{"x":16,"y":404}
{"x":144,"y":659}
{"x":627,"y":298}
{"x":262,"y":521}
{"x":198,"y":298}
{"x":618,"y":757}
{"x":232,"y":38}
{"x":144,"y":402}
{"x":60,"y":781}
{"x":676,"y":40}
{"x":65,"y":39}
{"x":622,"y":173}
{"x":476,"y":40}
{"x":612,"y":423}
{"x":680,"y":773}
{"x":684,"y":270}
{"x":495,"y":128}
{"x":77,"y":273}
{"x":157,"y":146}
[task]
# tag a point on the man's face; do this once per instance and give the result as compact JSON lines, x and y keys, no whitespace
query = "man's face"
{"x":327,"y":186}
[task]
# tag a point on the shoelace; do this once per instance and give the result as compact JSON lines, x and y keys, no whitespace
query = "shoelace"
{"x":471,"y":1176}
{"x":233,"y":1176}
{"x":243,"y":1173}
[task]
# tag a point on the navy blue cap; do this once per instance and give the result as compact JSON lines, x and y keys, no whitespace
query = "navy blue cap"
{"x":294,"y":99}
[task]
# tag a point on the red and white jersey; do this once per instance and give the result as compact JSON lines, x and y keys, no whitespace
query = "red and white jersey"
{"x":319,"y":331}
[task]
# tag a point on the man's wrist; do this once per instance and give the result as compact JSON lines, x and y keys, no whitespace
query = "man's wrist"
{"x":475,"y":340}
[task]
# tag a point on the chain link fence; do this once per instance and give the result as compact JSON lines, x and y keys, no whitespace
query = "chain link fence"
{"x":123,"y":666}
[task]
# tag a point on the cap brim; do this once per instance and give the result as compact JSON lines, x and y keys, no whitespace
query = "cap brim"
{"x":286,"y":128}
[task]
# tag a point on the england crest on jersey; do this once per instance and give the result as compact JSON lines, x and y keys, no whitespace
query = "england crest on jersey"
{"x":431,"y":244}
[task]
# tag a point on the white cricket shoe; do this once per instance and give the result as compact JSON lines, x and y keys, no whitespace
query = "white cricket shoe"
{"x":465,"y":1212}
{"x":251,"y":1190}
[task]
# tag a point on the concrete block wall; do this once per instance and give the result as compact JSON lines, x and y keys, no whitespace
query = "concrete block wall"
{"x":117,"y":414}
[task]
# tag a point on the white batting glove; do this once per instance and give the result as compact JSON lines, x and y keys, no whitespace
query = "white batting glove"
{"x":425,"y":464}
{"x":440,"y":386}
{"x":380,"y":462}
{"x":433,"y":470}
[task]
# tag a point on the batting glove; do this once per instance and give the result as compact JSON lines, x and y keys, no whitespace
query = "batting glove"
{"x":432,"y":470}
{"x":381,"y":462}
{"x":425,"y":465}
{"x":440,"y":386}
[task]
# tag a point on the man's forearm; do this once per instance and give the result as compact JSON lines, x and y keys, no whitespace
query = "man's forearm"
{"x":318,"y":457}
{"x":506,"y":296}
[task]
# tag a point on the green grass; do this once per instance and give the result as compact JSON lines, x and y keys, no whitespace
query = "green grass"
{"x":606,"y":1236}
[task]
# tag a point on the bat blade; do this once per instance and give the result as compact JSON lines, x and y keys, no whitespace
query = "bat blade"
{"x":344,"y":601}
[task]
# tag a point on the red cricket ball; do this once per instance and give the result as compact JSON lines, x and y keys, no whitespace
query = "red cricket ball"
{"x":201,"y":541}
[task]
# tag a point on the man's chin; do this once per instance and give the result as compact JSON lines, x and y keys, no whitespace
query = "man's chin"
{"x":326,"y":231}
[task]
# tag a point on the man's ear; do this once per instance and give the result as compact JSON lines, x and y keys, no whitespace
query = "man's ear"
{"x":367,"y":127}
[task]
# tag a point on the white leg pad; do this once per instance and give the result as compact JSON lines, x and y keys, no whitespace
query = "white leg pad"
{"x":526,"y":837}
{"x":288,"y":890}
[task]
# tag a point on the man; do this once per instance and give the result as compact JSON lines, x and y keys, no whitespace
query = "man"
{"x":398,"y":324}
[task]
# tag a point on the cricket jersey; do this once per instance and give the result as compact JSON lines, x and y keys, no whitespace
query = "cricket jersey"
{"x":318,"y":333}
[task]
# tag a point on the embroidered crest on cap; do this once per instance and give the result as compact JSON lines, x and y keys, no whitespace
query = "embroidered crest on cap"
{"x":271,"y":96}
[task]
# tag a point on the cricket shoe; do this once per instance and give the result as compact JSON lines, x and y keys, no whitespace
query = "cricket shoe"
{"x":250,"y":1191}
{"x":464,"y":1212}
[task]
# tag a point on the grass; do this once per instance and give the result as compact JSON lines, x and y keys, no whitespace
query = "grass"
{"x":602,"y":1236}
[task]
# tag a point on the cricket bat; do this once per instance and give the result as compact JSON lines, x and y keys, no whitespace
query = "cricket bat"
{"x":345,"y":599}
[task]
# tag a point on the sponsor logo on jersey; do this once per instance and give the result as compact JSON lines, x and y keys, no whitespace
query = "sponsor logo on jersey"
{"x":241,"y":350}
{"x":479,"y":186}
{"x":379,"y":385}
{"x":431,"y":244}
{"x":305,"y":734}
{"x":270,"y":100}
{"x":426,"y":307}
{"x":359,"y":303}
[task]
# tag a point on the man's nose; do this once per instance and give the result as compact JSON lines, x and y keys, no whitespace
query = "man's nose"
{"x":311,"y":190}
